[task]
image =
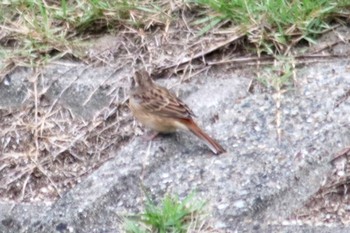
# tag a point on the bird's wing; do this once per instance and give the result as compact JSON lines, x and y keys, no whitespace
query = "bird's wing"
{"x":161,"y":102}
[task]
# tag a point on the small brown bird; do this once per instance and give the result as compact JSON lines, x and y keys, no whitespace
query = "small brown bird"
{"x":160,"y":110}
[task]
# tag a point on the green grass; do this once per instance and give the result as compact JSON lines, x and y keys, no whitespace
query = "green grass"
{"x":171,"y":215}
{"x":279,"y":76}
{"x":37,"y":31}
{"x":280,"y":22}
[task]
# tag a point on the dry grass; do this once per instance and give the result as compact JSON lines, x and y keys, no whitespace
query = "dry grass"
{"x":46,"y":150}
{"x":157,"y":34}
{"x":330,"y":205}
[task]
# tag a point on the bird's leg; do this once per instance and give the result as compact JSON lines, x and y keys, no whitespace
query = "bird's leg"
{"x":150,"y":136}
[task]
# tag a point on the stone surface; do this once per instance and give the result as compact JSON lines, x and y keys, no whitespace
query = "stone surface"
{"x":262,"y":179}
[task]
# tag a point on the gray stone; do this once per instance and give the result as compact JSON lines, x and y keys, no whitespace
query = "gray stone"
{"x":261,"y":180}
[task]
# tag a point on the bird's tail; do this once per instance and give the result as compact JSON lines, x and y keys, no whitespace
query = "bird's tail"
{"x":214,"y":146}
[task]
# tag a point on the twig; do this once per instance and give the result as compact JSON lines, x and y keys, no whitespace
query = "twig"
{"x":344,"y":151}
{"x":240,"y":34}
{"x":24,"y":187}
{"x":269,"y":59}
{"x":66,"y":88}
{"x":104,"y":81}
{"x":42,"y":170}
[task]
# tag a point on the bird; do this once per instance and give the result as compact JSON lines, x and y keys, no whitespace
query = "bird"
{"x":160,"y":110}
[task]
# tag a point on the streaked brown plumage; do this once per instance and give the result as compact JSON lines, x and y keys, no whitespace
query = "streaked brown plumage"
{"x":160,"y":110}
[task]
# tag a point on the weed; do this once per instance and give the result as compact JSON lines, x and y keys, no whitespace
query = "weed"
{"x":278,"y":76}
{"x":172,"y":215}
